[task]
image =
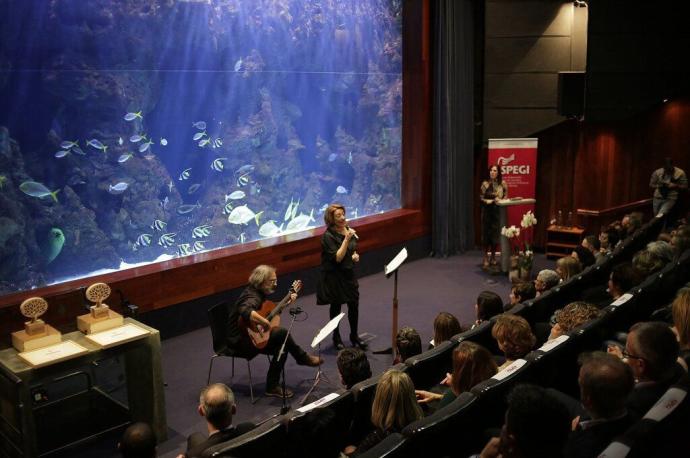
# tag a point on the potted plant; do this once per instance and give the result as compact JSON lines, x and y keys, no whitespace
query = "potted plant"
{"x":522,"y":256}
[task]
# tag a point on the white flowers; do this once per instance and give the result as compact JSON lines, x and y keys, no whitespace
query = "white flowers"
{"x":510,"y":232}
{"x":528,"y":220}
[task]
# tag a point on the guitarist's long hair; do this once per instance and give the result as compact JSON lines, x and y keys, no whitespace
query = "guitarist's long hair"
{"x":260,"y":274}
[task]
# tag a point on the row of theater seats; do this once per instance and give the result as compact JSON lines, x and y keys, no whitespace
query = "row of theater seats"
{"x":458,"y":429}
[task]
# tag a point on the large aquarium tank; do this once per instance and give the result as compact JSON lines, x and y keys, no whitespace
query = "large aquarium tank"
{"x":135,"y":131}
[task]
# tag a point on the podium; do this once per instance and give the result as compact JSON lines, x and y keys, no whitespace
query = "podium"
{"x":503,"y":212}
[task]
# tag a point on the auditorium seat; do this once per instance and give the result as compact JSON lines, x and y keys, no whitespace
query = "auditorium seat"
{"x":661,"y":432}
{"x":343,"y":408}
{"x":492,"y":393}
{"x":481,"y":335}
{"x":454,"y":430}
{"x":430,"y":367}
{"x":394,"y":446}
{"x":264,"y":440}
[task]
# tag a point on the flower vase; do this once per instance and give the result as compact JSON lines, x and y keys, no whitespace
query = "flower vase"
{"x":514,"y":272}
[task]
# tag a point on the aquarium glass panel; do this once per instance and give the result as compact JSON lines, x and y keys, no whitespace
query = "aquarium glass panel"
{"x":134,"y":131}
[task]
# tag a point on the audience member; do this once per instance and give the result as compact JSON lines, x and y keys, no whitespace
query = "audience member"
{"x":138,"y":441}
{"x":568,"y":267}
{"x":217,"y":406}
{"x":536,"y":426}
{"x":583,"y":256}
{"x":681,"y":323}
{"x":394,"y":407}
{"x":472,"y":364}
{"x":521,"y":292}
{"x":666,"y":182}
{"x":651,"y":350}
{"x":407,"y":344}
{"x":318,"y":428}
{"x":621,"y":280}
{"x":646,"y":263}
{"x":605,"y":384}
{"x":680,"y":242}
{"x":608,"y":238}
{"x":592,"y":243}
{"x":445,"y":327}
{"x":353,"y":366}
{"x":546,"y":279}
{"x":631,"y":223}
{"x":514,"y":337}
{"x":662,"y":250}
{"x":571,"y":316}
{"x":488,"y":305}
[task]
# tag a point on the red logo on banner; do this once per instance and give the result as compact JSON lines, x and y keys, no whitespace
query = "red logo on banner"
{"x":517,"y":159}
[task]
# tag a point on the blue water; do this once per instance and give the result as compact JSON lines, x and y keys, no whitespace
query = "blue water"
{"x":294,"y":104}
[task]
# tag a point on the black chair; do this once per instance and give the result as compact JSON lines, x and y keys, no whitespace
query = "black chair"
{"x":662,"y":431}
{"x":493,"y":393}
{"x":394,"y":446}
{"x":430,"y":367}
{"x":267,"y":439}
{"x":297,"y":428}
{"x":218,"y":320}
{"x":450,"y":431}
{"x":481,"y":335}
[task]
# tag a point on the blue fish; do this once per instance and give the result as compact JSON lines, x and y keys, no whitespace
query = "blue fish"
{"x":332,"y":157}
{"x":245,"y":169}
{"x":238,"y":65}
{"x":97,"y":144}
{"x":217,"y":164}
{"x":341,"y":190}
{"x":137,"y":138}
{"x":132,"y":116}
{"x":185,"y":174}
{"x":68,"y":144}
{"x":201,"y":125}
{"x":62,"y":153}
{"x":184,"y":209}
{"x":193,"y":188}
{"x":164,"y":142}
{"x":198,"y":135}
{"x":145,"y":146}
{"x":77,"y":150}
{"x":124,"y":158}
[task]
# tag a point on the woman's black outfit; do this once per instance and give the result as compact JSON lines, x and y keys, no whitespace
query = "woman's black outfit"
{"x":337,"y":283}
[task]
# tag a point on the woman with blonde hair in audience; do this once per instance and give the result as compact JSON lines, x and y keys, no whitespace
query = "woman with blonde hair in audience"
{"x":680,"y":310}
{"x":568,"y":267}
{"x":514,"y":336}
{"x":445,"y":327}
{"x":394,"y":407}
{"x":472,"y":364}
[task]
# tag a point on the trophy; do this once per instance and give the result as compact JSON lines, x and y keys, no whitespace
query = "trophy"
{"x":100,"y":317}
{"x":36,"y":334}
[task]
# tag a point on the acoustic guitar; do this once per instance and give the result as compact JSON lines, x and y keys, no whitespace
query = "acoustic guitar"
{"x":271,"y":311}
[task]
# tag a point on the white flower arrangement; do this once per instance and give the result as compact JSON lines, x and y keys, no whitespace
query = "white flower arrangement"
{"x":528,"y":220}
{"x":510,"y":232}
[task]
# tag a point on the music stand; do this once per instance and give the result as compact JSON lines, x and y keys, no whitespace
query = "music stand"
{"x":389,"y":269}
{"x":318,"y":338}
{"x":285,"y":407}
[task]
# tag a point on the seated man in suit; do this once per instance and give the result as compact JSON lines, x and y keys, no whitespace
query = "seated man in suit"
{"x":605,"y":383}
{"x":217,"y":406}
{"x":651,"y":350}
{"x":138,"y":441}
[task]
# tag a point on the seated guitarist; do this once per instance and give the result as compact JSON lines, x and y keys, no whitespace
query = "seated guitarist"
{"x":263,"y":282}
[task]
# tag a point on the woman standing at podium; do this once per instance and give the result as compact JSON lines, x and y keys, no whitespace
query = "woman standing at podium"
{"x":491,"y":191}
{"x":337,"y":282}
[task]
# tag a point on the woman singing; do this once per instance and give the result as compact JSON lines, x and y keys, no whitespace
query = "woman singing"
{"x":491,"y":191}
{"x":337,"y":282}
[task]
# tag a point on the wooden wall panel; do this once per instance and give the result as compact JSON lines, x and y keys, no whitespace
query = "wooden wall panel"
{"x":599,"y":165}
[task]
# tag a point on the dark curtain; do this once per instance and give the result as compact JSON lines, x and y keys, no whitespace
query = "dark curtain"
{"x":453,"y":127}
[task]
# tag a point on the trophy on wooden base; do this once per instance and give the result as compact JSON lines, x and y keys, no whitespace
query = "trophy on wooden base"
{"x":36,"y":334}
{"x":101,"y":318}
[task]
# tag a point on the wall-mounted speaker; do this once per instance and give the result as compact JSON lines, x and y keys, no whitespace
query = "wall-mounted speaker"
{"x":571,"y":93}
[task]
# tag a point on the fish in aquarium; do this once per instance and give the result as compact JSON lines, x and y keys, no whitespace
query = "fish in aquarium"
{"x":202,"y":231}
{"x":118,"y":188}
{"x":242,"y":215}
{"x":54,"y":244}
{"x":235,"y":195}
{"x":35,"y":189}
{"x":95,"y":143}
{"x":242,"y":145}
{"x":159,"y":225}
{"x":132,"y":116}
{"x":167,"y":240}
{"x":184,"y":175}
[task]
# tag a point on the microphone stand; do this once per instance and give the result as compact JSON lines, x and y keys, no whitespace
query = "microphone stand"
{"x":286,"y":407}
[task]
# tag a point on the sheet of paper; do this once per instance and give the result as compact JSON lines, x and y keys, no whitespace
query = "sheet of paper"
{"x":623,"y":299}
{"x":326,"y":330}
{"x":510,"y":370}
{"x":318,"y":402}
{"x":396,"y":262}
{"x":119,"y":335}
{"x":53,"y":353}
{"x":551,"y":344}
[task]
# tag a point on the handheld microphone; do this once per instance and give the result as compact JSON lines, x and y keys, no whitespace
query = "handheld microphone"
{"x":354,"y":234}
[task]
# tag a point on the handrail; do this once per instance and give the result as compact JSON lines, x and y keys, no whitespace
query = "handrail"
{"x":617,"y":209}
